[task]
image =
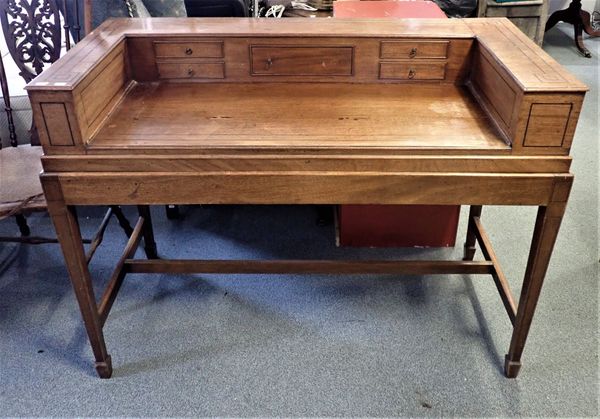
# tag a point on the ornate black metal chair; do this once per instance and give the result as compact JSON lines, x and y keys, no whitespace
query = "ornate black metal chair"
{"x":33,"y":33}
{"x":12,"y":132}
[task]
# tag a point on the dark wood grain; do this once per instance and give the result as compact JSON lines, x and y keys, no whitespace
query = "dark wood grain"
{"x":405,"y":267}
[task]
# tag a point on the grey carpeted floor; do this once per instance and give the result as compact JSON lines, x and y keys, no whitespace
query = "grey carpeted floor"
{"x":210,"y":345}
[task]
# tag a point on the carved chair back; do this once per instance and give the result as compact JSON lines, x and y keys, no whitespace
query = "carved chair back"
{"x":32,"y":30}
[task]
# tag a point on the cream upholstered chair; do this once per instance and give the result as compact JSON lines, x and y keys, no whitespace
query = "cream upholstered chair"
{"x":20,"y":188}
{"x":21,"y":194}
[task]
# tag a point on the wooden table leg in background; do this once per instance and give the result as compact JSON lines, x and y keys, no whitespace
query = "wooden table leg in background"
{"x":581,"y":21}
{"x":544,"y":236}
{"x":69,"y":235}
{"x":470,"y":242}
{"x":149,"y":243}
{"x":87,"y":16}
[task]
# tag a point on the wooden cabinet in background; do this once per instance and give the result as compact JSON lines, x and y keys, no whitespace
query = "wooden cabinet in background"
{"x":530,"y":16}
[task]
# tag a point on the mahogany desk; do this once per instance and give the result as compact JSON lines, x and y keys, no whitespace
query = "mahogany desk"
{"x":153,"y":112}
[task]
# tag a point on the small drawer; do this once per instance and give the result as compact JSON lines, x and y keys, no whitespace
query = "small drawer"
{"x":414,"y":49}
{"x":302,"y":61}
{"x":191,"y":70}
{"x":412,"y":71}
{"x":186,"y":49}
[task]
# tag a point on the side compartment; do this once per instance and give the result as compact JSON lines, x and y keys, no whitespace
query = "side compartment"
{"x":101,"y":90}
{"x":56,"y":120}
{"x":532,"y":122}
{"x":546,"y":123}
{"x":67,"y":117}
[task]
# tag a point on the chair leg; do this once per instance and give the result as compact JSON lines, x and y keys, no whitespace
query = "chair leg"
{"x":324,"y":215}
{"x":470,"y":248}
{"x":123,"y":221}
{"x":7,"y":107}
{"x":149,"y":243}
{"x":578,"y":34}
{"x":23,"y":227}
{"x":172,"y":212}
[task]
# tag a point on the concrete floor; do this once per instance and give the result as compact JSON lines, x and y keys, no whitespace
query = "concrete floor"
{"x":208,"y":345}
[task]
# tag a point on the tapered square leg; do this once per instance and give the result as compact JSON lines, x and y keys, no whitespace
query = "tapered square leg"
{"x":104,"y":368}
{"x":545,"y":232}
{"x":69,"y":236}
{"x":511,"y":368}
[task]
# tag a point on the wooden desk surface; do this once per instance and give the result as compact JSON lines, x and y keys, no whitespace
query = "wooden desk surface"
{"x":169,"y":117}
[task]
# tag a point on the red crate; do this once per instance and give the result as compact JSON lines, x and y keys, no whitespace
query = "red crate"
{"x":398,"y":225}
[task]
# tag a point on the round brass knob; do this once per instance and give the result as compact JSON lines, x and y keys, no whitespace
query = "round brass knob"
{"x":189,"y":51}
{"x":190,"y":72}
{"x":412,"y":53}
{"x":411,"y":74}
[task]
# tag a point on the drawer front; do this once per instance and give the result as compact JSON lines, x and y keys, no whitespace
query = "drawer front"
{"x":414,"y":49}
{"x":191,"y":70}
{"x":302,"y":61}
{"x":185,"y":49}
{"x":412,"y":71}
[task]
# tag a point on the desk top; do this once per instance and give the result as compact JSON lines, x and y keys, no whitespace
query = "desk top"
{"x":167,"y":117}
{"x":194,"y":86}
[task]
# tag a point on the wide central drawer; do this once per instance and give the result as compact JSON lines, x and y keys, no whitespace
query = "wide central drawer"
{"x":302,"y":60}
